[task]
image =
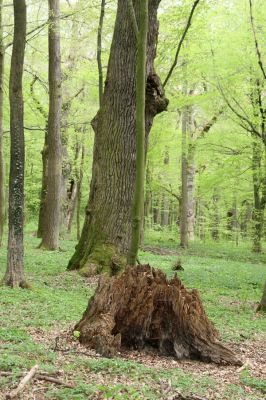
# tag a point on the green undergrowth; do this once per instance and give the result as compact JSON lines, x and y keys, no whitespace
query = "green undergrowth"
{"x":31,"y":320}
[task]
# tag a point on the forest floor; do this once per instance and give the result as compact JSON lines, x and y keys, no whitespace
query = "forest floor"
{"x":36,"y":327}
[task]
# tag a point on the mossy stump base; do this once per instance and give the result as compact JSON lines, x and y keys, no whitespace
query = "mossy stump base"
{"x":141,"y":308}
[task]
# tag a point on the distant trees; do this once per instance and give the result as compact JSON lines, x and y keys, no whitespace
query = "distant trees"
{"x":52,"y":204}
{"x":14,"y":275}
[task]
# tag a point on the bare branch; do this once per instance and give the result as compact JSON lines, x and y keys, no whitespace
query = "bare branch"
{"x":196,"y":2}
{"x":255,"y":40}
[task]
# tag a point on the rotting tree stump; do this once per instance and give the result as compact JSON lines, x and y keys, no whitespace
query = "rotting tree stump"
{"x":142,"y":308}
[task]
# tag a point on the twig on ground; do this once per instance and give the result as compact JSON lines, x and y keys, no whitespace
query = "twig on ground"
{"x":14,"y":393}
{"x":42,"y":377}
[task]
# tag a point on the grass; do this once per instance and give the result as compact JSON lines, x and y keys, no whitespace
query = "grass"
{"x":230,"y":282}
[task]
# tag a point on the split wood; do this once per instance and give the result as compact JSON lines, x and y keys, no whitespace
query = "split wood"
{"x":27,"y":378}
{"x":42,"y":377}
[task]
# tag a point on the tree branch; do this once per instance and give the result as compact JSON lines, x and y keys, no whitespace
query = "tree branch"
{"x":133,"y":17}
{"x":255,"y":40}
{"x":196,"y":2}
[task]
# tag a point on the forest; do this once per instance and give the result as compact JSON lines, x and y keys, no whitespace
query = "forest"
{"x":132,"y":199}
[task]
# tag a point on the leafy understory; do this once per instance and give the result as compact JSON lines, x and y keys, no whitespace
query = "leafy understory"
{"x":36,"y":328}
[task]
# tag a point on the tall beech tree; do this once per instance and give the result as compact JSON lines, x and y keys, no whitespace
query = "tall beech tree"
{"x":14,"y":275}
{"x":2,"y":188}
{"x":50,"y":234}
{"x":106,"y":233}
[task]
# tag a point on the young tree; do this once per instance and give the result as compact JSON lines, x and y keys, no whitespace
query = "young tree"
{"x":262,"y":305}
{"x":14,"y":275}
{"x":50,"y":235}
{"x":106,"y":232}
{"x":2,"y":187}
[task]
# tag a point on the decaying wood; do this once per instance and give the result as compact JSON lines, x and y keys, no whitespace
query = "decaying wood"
{"x":14,"y":393}
{"x":42,"y":377}
{"x":141,"y":308}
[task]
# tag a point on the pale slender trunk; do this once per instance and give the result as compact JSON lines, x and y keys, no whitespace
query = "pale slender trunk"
{"x":14,"y":275}
{"x":2,"y":172}
{"x":262,"y":305}
{"x":184,"y":192}
{"x":50,"y":239}
{"x":191,"y":172}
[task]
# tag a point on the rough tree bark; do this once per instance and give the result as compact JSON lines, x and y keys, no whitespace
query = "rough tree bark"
{"x":138,"y":199}
{"x":14,"y":275}
{"x":106,"y":232}
{"x":259,"y":204}
{"x":99,"y":51}
{"x":141,"y":309}
{"x":50,"y":238}
{"x":2,"y":172}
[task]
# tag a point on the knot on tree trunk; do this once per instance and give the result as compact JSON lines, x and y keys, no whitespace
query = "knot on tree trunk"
{"x":156,"y":102}
{"x":142,"y":308}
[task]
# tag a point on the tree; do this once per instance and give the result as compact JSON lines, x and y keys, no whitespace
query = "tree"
{"x":14,"y":275}
{"x":106,"y":233}
{"x":262,"y":305}
{"x":2,"y":189}
{"x":50,"y":235}
{"x":138,"y":200}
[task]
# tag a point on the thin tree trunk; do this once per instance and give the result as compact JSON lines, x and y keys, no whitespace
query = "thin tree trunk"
{"x":138,"y":200}
{"x":191,"y":172}
{"x":262,"y":305}
{"x":257,"y":211}
{"x":106,"y":232}
{"x":184,"y":192}
{"x":14,"y":275}
{"x":99,"y":51}
{"x":79,"y":189}
{"x":2,"y":172}
{"x":50,"y":239}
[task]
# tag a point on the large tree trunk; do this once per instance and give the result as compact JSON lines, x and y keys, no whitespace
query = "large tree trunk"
{"x":106,"y":232}
{"x":14,"y":274}
{"x":2,"y":173}
{"x":141,"y":308}
{"x":50,"y":238}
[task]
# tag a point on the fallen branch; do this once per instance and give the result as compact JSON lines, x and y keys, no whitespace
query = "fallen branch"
{"x":42,"y":377}
{"x":14,"y":393}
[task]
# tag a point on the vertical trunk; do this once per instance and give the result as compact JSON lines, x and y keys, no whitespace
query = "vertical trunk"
{"x":215,"y":217}
{"x":184,"y":192}
{"x":41,"y":220}
{"x":15,"y":274}
{"x":79,"y":190}
{"x":99,"y":51}
{"x":106,"y":232}
{"x":138,"y":200}
{"x":258,"y":212}
{"x":50,"y":239}
{"x":262,"y":305}
{"x":191,"y":172}
{"x":2,"y":172}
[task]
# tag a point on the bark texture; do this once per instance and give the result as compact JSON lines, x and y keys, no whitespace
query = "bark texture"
{"x":2,"y":174}
{"x":50,"y":234}
{"x":141,"y":308}
{"x":106,"y":232}
{"x":14,"y":275}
